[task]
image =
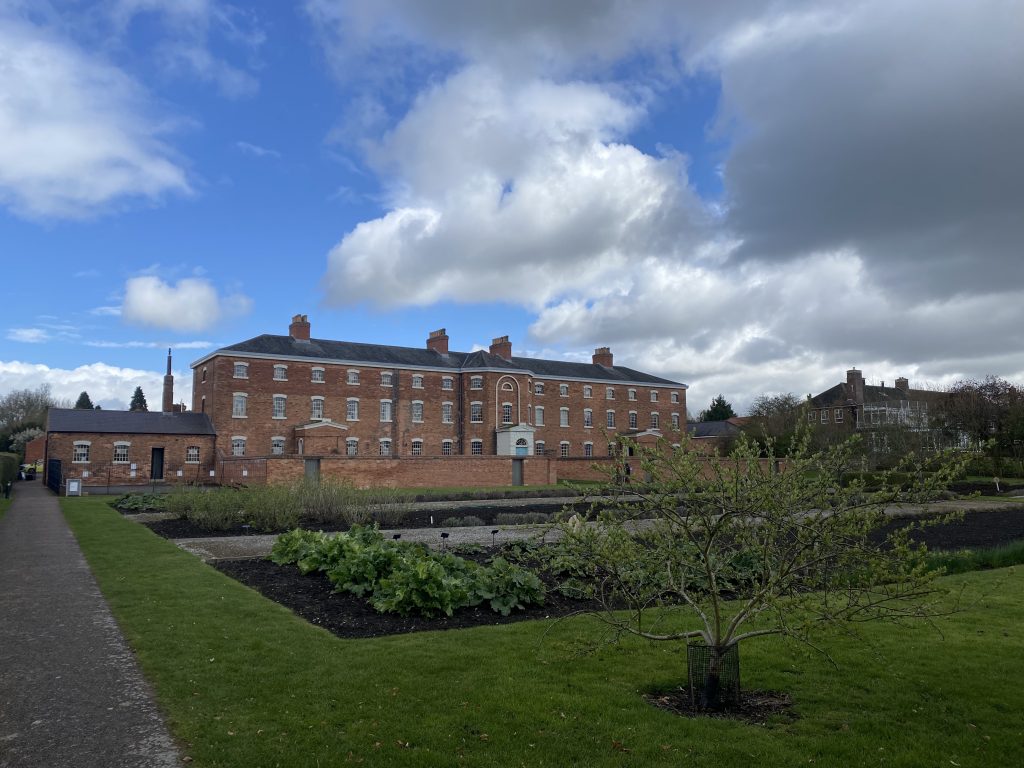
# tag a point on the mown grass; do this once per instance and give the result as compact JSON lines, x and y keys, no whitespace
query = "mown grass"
{"x":246,"y":683}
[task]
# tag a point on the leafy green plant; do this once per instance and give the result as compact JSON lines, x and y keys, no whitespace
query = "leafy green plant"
{"x":522,"y":518}
{"x":462,"y":522}
{"x":426,"y":585}
{"x":509,"y":586}
{"x":138,"y":502}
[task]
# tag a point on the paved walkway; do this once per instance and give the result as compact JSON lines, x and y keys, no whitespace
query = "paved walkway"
{"x":71,"y":693}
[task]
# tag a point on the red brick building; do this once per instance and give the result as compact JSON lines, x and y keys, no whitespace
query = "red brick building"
{"x":296,"y":395}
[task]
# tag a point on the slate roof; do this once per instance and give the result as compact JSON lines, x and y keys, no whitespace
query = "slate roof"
{"x":711,"y":428}
{"x":128,"y":422}
{"x":382,"y":354}
{"x":842,"y":394}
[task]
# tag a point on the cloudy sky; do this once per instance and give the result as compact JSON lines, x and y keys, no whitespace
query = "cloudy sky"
{"x":744,"y":196}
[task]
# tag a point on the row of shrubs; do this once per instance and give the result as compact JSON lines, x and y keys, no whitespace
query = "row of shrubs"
{"x":502,"y":518}
{"x":407,"y":578}
{"x":280,"y":507}
{"x":485,"y":494}
{"x":9,"y":464}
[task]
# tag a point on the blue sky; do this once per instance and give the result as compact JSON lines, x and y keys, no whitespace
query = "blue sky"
{"x":747,"y":197}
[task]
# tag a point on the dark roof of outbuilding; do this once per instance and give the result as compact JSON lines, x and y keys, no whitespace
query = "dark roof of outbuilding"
{"x":128,"y":422}
{"x":382,"y":354}
{"x":711,"y":428}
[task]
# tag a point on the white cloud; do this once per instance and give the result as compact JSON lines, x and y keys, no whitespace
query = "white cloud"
{"x":76,"y":134}
{"x":108,"y":385}
{"x":105,"y":311}
{"x":191,"y":304}
{"x":150,"y":344}
{"x":28,"y":335}
{"x":517,"y":192}
{"x":255,"y":150}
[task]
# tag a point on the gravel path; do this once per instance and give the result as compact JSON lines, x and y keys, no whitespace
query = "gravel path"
{"x":71,"y":693}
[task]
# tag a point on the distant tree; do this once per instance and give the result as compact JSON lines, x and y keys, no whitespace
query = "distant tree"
{"x":138,"y":401}
{"x":988,"y":413}
{"x":775,"y":417}
{"x":25,"y":407}
{"x":84,"y":402}
{"x":19,"y":440}
{"x":719,"y":410}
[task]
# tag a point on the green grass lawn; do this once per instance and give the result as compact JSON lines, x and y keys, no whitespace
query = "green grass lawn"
{"x":4,"y":505}
{"x":246,"y":683}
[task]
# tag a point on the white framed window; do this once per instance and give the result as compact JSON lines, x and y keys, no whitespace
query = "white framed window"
{"x":277,"y":446}
{"x":417,"y":411}
{"x":317,"y":376}
{"x":506,"y":386}
{"x":611,"y":449}
{"x":416,"y":448}
{"x":417,"y":381}
{"x":506,"y":413}
{"x":563,"y":417}
{"x":385,"y":410}
{"x":538,"y":416}
{"x":316,"y":407}
{"x":675,"y":421}
{"x":202,"y":404}
{"x":280,"y":403}
{"x":447,"y":383}
{"x":654,"y":395}
{"x":631,"y":394}
{"x":655,"y":421}
{"x":476,"y":382}
{"x":633,"y":420}
{"x":588,"y":417}
{"x":609,"y":393}
{"x":610,"y":419}
{"x":476,"y":412}
{"x":351,"y":376}
{"x":675,"y":397}
{"x":446,"y":413}
{"x":81,"y":452}
{"x":563,"y":449}
{"x":810,"y":417}
{"x":192,"y":454}
{"x":280,"y":373}
{"x":588,"y":391}
{"x":446,"y":447}
{"x":238,"y":446}
{"x":238,"y":405}
{"x":385,"y":378}
{"x":824,"y":415}
{"x":837,"y":415}
{"x":352,"y":409}
{"x":121,"y":452}
{"x":563,"y":390}
{"x":241,"y":370}
{"x":538,"y":387}
{"x":538,"y":448}
{"x":588,"y":450}
{"x":351,"y":446}
{"x":476,"y":447}
{"x":384,"y":447}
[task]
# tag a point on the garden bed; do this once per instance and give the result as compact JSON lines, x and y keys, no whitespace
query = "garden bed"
{"x":976,"y":530}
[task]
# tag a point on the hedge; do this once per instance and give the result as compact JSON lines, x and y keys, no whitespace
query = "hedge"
{"x":9,"y":464}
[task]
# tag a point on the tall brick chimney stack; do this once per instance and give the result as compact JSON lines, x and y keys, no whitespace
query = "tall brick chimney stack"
{"x":603,"y":356}
{"x":855,"y":381}
{"x":502,"y":347}
{"x":167,"y":406}
{"x":438,"y":341}
{"x":902,"y":383}
{"x":299,"y":329}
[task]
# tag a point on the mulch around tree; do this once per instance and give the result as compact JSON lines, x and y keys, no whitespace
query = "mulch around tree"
{"x":755,"y":707}
{"x":313,"y":598}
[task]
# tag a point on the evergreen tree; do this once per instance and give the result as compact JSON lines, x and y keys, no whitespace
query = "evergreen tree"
{"x":138,"y":401}
{"x":719,"y":410}
{"x":84,"y":402}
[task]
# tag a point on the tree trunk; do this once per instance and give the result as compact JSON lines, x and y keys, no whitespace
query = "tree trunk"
{"x":714,"y":673}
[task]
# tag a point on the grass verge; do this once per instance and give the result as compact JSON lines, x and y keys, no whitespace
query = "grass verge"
{"x":5,"y":504}
{"x":969,"y":560}
{"x":246,"y":683}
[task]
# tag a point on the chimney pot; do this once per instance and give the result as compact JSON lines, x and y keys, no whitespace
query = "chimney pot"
{"x":502,"y":347}
{"x":902,"y":383}
{"x":299,"y":329}
{"x":603,"y":357}
{"x":438,"y":341}
{"x":168,"y":395}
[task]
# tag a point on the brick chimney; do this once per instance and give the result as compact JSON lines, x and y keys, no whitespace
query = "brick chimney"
{"x":902,"y":383}
{"x":438,"y":341}
{"x":299,"y":329}
{"x":167,"y":406}
{"x":855,"y":383}
{"x":603,"y":356}
{"x":502,"y":347}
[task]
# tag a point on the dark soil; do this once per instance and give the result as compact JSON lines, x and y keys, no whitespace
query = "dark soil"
{"x":312,"y":597}
{"x":976,"y":530}
{"x":755,"y":707}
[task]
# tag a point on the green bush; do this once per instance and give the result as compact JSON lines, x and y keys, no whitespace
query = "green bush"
{"x":509,"y":586}
{"x":9,"y":464}
{"x":427,"y":586}
{"x":139,"y":502}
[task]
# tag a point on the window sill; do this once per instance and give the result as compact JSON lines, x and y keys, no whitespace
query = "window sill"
{"x":279,"y":418}
{"x":233,"y":416}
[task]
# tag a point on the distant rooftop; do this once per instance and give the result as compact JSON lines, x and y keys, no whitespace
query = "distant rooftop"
{"x":128,"y":422}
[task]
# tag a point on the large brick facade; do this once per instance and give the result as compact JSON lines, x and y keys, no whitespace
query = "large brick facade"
{"x":292,"y":396}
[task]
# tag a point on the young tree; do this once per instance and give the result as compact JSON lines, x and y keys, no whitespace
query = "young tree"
{"x":84,"y":402}
{"x":719,"y":410}
{"x":26,"y":407}
{"x":138,"y":401}
{"x":724,"y":549}
{"x":775,"y":417}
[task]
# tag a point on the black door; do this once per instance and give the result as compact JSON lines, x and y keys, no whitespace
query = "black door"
{"x":157,"y":465}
